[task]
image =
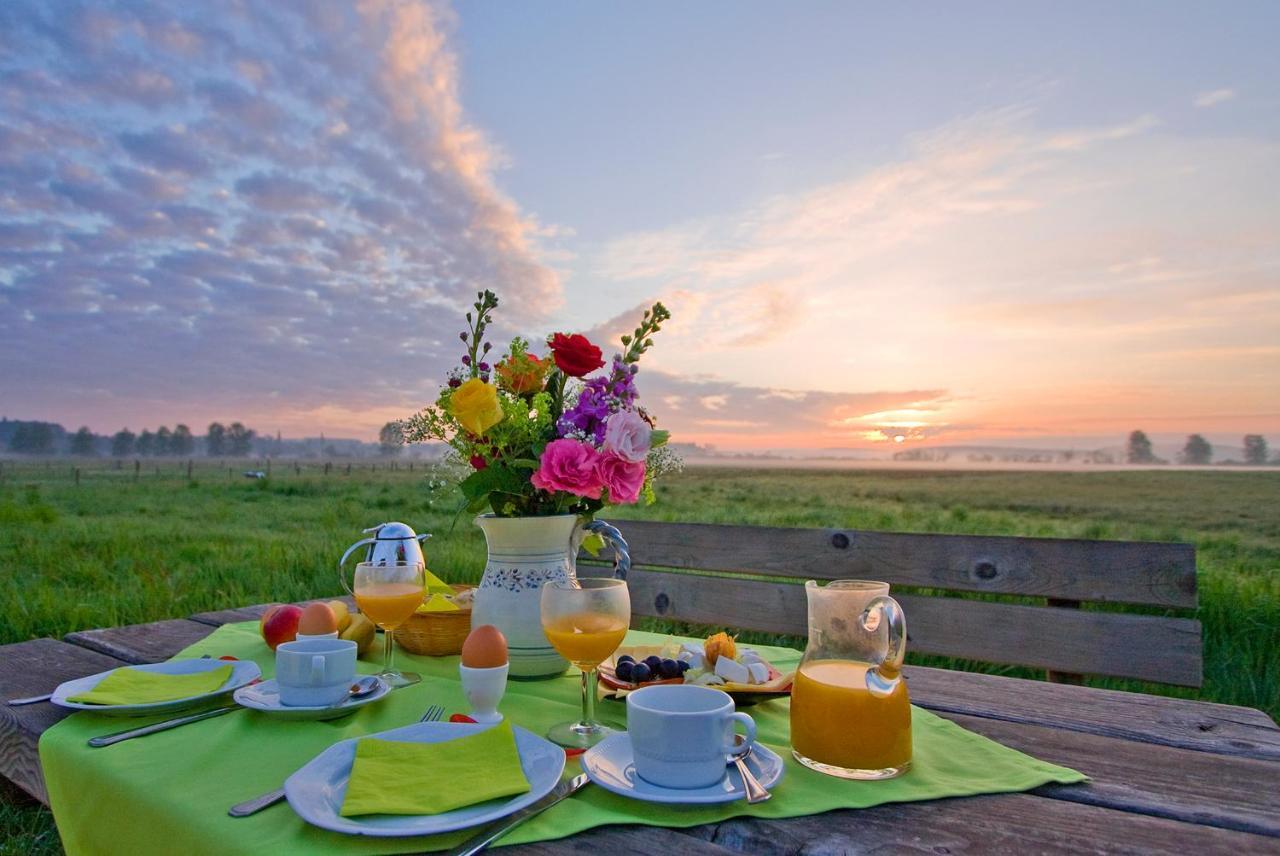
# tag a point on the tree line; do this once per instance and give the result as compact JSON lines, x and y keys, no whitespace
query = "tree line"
{"x":1197,"y":450}
{"x":42,"y":438}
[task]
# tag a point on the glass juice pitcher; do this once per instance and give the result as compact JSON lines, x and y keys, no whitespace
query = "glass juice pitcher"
{"x":850,"y":715}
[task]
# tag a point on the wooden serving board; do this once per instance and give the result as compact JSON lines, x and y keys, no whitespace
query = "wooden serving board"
{"x":778,"y":685}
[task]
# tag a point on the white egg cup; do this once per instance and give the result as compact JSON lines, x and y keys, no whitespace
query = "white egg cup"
{"x":484,"y":688}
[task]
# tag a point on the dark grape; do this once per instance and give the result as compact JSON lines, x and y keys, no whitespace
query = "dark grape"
{"x":653,"y":662}
{"x":669,"y":669}
{"x":624,"y":670}
{"x":641,"y":673}
{"x":684,"y":666}
{"x":626,"y":658}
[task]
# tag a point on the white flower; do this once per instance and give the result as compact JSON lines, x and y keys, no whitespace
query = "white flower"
{"x":627,"y":436}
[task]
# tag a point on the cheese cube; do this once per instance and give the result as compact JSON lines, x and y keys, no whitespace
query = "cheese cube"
{"x":759,"y":672}
{"x":693,"y":655}
{"x":747,"y":656}
{"x":732,"y":671}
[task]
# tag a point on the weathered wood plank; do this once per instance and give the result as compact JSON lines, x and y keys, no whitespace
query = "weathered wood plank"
{"x":1065,"y":640}
{"x":623,"y":841}
{"x":1194,"y":787}
{"x":1202,"y":726}
{"x":254,"y":612}
{"x":142,"y":643}
{"x":1152,"y":573}
{"x":29,"y":669}
{"x":1005,"y":823}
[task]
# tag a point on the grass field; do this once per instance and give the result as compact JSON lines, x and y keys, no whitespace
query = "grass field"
{"x":113,"y":550}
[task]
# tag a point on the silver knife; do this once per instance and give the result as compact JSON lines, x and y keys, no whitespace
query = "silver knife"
{"x":109,"y":739}
{"x":492,"y":833}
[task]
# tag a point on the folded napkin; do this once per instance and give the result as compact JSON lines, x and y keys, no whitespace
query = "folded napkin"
{"x":435,"y":585}
{"x":132,"y":686}
{"x":439,"y":603}
{"x":391,"y":777}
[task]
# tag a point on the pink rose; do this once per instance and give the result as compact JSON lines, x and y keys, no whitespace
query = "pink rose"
{"x":627,"y":436}
{"x":623,"y":478}
{"x":570,"y":466}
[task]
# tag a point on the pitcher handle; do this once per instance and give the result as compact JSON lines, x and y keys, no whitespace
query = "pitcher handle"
{"x":342,"y":574}
{"x":889,"y":610}
{"x":621,"y":552}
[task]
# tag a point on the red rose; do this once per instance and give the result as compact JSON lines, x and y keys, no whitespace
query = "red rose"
{"x":575,"y":356}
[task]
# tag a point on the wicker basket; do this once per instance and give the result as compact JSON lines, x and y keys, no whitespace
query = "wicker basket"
{"x":436,"y":634}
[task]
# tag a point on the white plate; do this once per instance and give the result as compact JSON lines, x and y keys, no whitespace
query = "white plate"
{"x":317,"y":790}
{"x":242,"y":672}
{"x":611,"y":765}
{"x":265,"y":697}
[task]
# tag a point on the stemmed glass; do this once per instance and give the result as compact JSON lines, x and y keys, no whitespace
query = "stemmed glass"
{"x":585,"y":621}
{"x":389,"y":593}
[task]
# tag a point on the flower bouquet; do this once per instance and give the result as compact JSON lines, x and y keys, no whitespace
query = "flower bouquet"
{"x":550,"y":434}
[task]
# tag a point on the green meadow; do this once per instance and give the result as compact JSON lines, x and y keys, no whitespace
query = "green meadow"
{"x":120,"y":547}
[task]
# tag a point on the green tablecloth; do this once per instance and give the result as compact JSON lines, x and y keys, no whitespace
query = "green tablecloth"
{"x":169,"y":792}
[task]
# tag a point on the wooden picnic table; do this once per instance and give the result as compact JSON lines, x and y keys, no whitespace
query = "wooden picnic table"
{"x":1166,"y":774}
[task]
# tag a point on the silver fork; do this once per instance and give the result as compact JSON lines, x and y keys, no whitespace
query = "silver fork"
{"x":270,"y":798}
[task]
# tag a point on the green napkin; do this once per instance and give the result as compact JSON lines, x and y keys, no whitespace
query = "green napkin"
{"x":133,"y":686}
{"x":390,"y":777}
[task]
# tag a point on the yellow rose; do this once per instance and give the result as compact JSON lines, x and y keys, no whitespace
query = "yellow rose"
{"x":475,"y":406}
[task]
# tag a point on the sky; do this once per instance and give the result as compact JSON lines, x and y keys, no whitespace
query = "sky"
{"x":991,"y":223}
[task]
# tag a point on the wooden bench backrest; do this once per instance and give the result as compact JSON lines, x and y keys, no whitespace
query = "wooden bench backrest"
{"x":1058,"y":636}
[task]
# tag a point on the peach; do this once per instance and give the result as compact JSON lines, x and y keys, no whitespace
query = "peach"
{"x":280,"y":624}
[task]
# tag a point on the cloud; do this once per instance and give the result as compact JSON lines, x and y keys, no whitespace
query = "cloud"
{"x":211,"y":209}
{"x":1213,"y":97}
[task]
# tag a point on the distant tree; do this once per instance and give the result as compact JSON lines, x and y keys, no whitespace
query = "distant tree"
{"x":390,"y":440}
{"x":1255,"y":449}
{"x":181,"y":443}
{"x":164,"y":441}
{"x":215,"y":440}
{"x":239,"y":440}
{"x":1197,"y":450}
{"x":1139,"y":449}
{"x":122,"y":444}
{"x":146,"y":443}
{"x":82,"y":442}
{"x":32,"y":438}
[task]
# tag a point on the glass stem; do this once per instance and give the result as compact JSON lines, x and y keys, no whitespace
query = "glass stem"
{"x":388,"y":651}
{"x":589,"y":697}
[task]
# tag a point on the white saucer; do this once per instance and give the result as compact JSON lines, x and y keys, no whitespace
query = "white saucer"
{"x":242,"y":672}
{"x":317,"y":790}
{"x":265,"y":697}
{"x":611,"y":765}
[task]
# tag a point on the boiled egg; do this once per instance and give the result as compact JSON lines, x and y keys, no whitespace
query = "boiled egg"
{"x":485,"y":648}
{"x":317,"y":619}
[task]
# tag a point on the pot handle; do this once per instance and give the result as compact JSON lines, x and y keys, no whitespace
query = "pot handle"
{"x":621,"y":552}
{"x":342,"y":573}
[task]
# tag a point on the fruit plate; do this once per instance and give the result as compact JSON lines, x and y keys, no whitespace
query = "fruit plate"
{"x":243,"y":672}
{"x":779,"y":683}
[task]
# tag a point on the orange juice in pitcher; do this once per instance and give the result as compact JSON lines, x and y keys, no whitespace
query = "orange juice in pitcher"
{"x":850,"y":714}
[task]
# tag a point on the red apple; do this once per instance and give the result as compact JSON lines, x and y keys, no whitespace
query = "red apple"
{"x":280,"y":624}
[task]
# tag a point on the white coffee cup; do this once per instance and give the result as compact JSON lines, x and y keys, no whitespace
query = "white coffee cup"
{"x":682,"y":735}
{"x":314,"y":672}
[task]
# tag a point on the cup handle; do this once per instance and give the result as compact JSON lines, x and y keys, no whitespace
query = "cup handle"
{"x":750,"y":725}
{"x":317,"y":669}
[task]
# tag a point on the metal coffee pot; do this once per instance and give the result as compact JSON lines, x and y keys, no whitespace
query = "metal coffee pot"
{"x":391,"y":542}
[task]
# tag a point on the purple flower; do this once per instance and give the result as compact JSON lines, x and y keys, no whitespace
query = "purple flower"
{"x":466,"y":360}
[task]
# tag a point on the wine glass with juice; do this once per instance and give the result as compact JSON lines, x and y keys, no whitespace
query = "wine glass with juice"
{"x":585,"y":620}
{"x":389,"y":593}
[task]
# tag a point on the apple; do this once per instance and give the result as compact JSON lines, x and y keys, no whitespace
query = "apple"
{"x":280,"y":624}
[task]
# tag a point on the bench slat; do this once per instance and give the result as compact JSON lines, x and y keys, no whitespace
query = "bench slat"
{"x":1150,"y":573}
{"x":1064,"y":640}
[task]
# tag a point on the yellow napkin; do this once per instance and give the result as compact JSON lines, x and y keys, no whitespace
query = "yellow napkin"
{"x":435,"y":585}
{"x":390,"y":777}
{"x":439,"y":603}
{"x":133,"y":686}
